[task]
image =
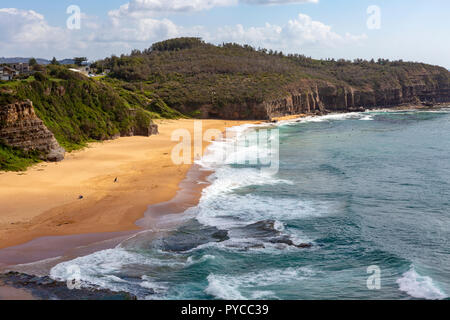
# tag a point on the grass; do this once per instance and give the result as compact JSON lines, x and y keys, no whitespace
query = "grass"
{"x":79,"y":110}
{"x":187,"y":73}
{"x":12,"y":159}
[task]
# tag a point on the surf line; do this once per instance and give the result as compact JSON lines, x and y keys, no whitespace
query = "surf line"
{"x":198,"y":311}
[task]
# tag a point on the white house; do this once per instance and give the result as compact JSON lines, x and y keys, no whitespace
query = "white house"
{"x":7,"y":74}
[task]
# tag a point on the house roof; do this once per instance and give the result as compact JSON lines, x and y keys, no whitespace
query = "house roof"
{"x":9,"y":70}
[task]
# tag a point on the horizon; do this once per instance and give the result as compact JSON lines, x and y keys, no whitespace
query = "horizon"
{"x":320,"y":29}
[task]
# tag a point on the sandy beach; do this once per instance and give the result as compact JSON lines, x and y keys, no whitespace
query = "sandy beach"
{"x":44,"y":201}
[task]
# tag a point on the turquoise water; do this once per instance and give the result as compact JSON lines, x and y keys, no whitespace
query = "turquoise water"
{"x":364,"y":189}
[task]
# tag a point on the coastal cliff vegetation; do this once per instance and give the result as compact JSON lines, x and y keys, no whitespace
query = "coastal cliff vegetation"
{"x":77,"y":110}
{"x":187,"y":77}
{"x":202,"y":79}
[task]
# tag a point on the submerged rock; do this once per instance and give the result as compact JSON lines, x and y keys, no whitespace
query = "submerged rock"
{"x":266,"y":231}
{"x":191,"y":236}
{"x":286,"y":240}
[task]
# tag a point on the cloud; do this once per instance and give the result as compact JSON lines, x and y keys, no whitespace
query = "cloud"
{"x":145,"y":8}
{"x":27,"y":27}
{"x":296,"y":34}
{"x":27,"y":33}
{"x":138,"y":30}
{"x":142,"y":8}
{"x":278,"y":1}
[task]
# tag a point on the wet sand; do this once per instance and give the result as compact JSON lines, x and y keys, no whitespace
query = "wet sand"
{"x":44,"y":201}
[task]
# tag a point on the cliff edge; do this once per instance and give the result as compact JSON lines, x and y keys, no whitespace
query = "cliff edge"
{"x":21,"y":128}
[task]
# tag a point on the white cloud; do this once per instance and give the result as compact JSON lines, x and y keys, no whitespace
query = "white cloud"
{"x":278,"y":1}
{"x":27,"y":33}
{"x":293,"y":36}
{"x":144,"y":8}
{"x":138,"y":30}
{"x":27,"y":27}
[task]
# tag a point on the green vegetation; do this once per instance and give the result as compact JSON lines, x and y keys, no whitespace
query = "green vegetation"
{"x":178,"y":78}
{"x":12,"y":159}
{"x":32,"y":62}
{"x":136,"y":96}
{"x":78,"y":109}
{"x":79,"y":60}
{"x":187,"y":73}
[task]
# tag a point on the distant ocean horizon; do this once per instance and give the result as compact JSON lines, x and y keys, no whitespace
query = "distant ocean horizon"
{"x":366,"y":190}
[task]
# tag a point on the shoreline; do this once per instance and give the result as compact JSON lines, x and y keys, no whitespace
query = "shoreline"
{"x":144,"y":179}
{"x":187,"y":194}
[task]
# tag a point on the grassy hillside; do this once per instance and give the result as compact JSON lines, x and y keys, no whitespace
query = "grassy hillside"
{"x":79,"y":110}
{"x":12,"y":159}
{"x":187,"y":77}
{"x":187,"y":73}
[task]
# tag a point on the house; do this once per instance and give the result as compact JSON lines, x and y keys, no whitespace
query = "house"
{"x":7,"y":73}
{"x":85,"y":70}
{"x":20,"y":67}
{"x":79,"y":70}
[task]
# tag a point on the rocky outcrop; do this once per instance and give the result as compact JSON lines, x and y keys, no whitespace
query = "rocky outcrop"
{"x":317,"y":97}
{"x":20,"y":127}
{"x":144,"y":130}
{"x":143,"y":126}
{"x":323,"y":97}
{"x":45,"y":288}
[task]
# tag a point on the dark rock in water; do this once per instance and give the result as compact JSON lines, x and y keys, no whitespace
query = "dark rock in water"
{"x":304,"y":245}
{"x":261,"y":229}
{"x":221,"y":235}
{"x":286,"y":240}
{"x":191,"y":236}
{"x":48,"y":289}
{"x":266,"y":230}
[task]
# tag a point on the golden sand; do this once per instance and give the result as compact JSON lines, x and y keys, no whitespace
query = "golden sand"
{"x":44,"y":201}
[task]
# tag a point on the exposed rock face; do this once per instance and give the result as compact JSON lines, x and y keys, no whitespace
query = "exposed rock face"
{"x":20,"y":127}
{"x":146,"y":131}
{"x":316,"y":96}
{"x":144,"y":128}
{"x":328,"y":97}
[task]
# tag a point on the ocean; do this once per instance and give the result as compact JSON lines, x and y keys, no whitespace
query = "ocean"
{"x":358,"y":209}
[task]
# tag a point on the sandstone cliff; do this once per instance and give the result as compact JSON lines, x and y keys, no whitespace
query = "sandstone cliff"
{"x":315,"y":96}
{"x":21,"y":128}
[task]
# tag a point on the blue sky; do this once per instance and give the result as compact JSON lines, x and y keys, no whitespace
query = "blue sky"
{"x":410,"y":30}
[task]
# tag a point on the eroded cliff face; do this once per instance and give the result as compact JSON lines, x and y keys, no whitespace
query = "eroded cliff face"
{"x":316,"y":97}
{"x":20,"y":127}
{"x":326,"y":97}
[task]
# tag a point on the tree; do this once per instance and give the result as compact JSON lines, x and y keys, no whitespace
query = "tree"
{"x":32,"y":62}
{"x":79,"y":60}
{"x":54,"y":62}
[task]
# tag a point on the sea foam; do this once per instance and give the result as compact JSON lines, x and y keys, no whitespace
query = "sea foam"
{"x":419,"y":286}
{"x":254,"y":285}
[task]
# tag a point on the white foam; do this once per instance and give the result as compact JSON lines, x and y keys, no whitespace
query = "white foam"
{"x":101,"y":268}
{"x":418,"y":286}
{"x":207,"y":257}
{"x":231,"y":210}
{"x":367,"y":118}
{"x":325,"y":118}
{"x":251,"y":285}
{"x":221,"y":288}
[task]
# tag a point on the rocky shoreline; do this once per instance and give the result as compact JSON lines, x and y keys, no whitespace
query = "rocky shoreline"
{"x":45,"y":288}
